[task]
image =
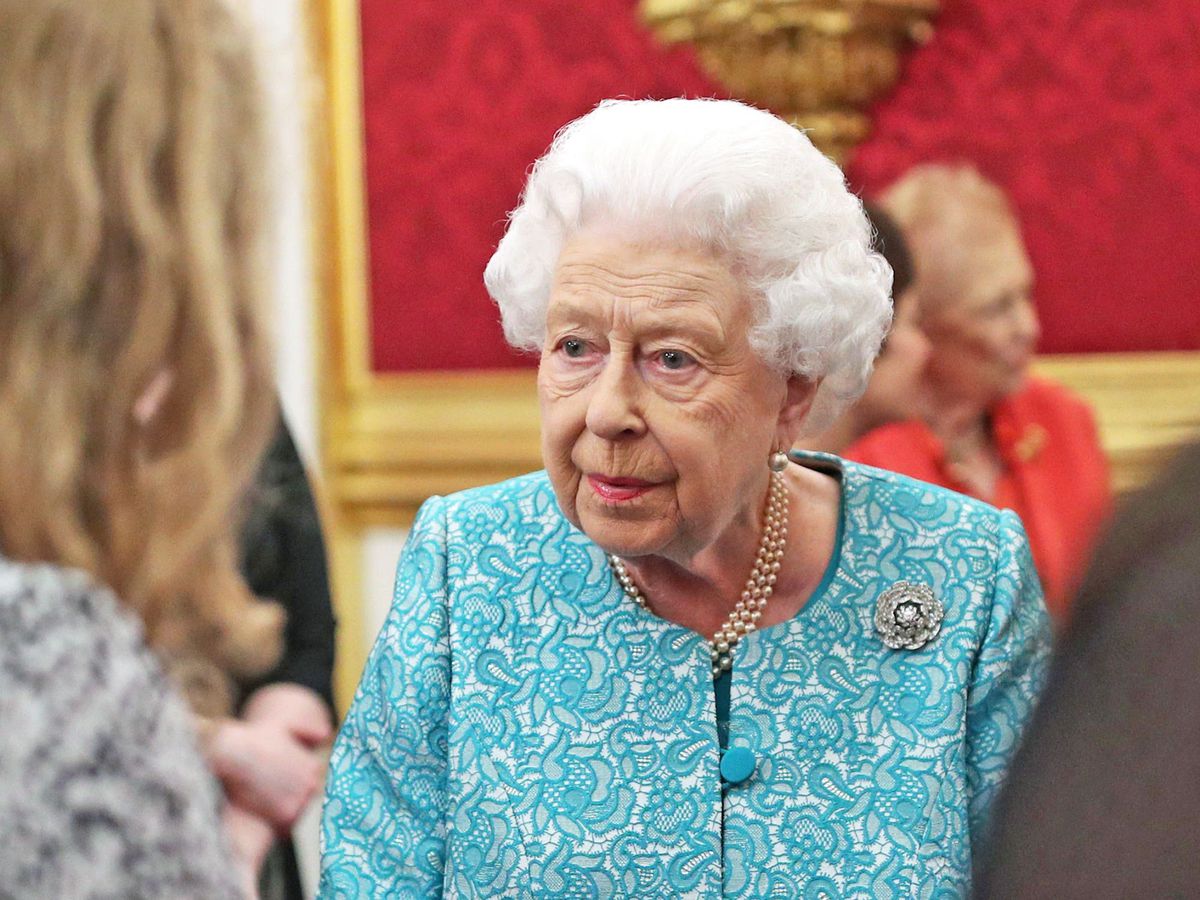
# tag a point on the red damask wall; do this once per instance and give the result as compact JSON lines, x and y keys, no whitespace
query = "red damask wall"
{"x":1087,"y":111}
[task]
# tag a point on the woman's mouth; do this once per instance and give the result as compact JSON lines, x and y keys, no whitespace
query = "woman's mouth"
{"x":618,"y":490}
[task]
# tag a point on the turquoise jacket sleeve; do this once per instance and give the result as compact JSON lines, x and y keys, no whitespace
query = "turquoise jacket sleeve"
{"x":1008,"y":675}
{"x":383,"y":828}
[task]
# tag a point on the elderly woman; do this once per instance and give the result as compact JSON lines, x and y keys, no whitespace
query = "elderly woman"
{"x":991,"y":431}
{"x":681,"y":662}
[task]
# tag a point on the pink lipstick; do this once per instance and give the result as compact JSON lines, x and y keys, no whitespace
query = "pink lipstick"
{"x":618,"y":490}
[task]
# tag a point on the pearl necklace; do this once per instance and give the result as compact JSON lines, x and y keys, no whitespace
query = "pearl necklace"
{"x":759,"y":586}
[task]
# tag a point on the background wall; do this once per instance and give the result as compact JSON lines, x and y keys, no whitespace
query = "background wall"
{"x":1089,"y":113}
{"x":290,"y":87}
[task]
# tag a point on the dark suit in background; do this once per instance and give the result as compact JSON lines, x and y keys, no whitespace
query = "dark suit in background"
{"x":1104,"y":797}
{"x":284,"y":560}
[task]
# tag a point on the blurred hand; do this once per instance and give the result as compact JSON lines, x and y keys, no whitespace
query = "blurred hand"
{"x":264,"y":769}
{"x":294,"y":708}
{"x":250,"y":838}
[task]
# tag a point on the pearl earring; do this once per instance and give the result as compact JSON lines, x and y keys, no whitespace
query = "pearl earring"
{"x":777,"y":461}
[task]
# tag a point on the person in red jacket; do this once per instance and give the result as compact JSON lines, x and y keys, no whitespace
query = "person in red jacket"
{"x":991,"y":430}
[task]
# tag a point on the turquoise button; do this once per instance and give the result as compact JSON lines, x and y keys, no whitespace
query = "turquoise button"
{"x":737,"y":764}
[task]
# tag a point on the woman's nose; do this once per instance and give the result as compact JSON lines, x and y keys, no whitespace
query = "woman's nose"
{"x":614,"y":407}
{"x":1028,"y":327}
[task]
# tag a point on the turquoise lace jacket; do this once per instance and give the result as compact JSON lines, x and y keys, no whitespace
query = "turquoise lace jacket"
{"x":522,"y":729}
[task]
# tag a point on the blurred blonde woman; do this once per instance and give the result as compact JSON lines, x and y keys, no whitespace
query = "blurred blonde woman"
{"x":991,"y":430}
{"x":135,"y":401}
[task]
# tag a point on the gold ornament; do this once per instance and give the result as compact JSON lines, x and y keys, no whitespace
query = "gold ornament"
{"x":815,"y":63}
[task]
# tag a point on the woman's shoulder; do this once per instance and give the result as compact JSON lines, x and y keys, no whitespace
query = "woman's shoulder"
{"x":71,"y":657}
{"x":519,"y":506}
{"x":905,"y":495}
{"x":926,"y":518}
{"x":60,"y":617}
{"x":102,"y":746}
{"x":511,"y":492}
{"x":1054,"y":428}
{"x":961,"y":546}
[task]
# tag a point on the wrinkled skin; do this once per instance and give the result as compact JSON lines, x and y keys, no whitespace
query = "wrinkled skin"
{"x":658,"y":419}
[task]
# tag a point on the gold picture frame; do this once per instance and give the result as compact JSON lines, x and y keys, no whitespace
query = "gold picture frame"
{"x":389,"y":441}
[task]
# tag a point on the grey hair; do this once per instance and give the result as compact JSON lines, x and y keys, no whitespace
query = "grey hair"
{"x":726,"y":176}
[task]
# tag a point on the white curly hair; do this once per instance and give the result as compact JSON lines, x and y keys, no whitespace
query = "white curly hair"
{"x":734,"y":179}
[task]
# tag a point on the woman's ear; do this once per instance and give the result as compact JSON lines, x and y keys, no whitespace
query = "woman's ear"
{"x":146,"y":407}
{"x":797,"y":404}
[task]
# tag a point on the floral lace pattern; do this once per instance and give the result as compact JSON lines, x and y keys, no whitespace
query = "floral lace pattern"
{"x":523,"y":729}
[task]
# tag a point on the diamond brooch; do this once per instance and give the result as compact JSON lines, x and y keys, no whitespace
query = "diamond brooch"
{"x":908,"y":616}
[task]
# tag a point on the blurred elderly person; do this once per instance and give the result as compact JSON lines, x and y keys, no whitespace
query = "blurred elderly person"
{"x":896,"y":389}
{"x":136,"y":399}
{"x":681,"y":661}
{"x":992,"y":431}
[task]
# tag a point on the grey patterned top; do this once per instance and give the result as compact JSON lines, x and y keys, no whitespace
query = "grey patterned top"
{"x":103,"y":793}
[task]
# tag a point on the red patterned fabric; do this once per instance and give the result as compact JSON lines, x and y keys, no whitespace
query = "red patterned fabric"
{"x":1088,"y":113}
{"x":460,"y":99}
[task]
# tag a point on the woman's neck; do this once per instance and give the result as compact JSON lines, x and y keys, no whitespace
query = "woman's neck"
{"x":848,"y":428}
{"x":700,"y":592}
{"x":962,"y":432}
{"x":955,"y":418}
{"x":971,"y":457}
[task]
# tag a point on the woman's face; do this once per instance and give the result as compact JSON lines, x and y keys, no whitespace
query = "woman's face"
{"x":985,"y":332}
{"x":657,"y":416}
{"x":896,"y":390}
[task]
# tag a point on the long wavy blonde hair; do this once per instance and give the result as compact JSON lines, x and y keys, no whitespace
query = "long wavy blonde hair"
{"x":131,"y":224}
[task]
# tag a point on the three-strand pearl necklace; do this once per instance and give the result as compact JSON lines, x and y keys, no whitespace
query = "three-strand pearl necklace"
{"x":759,"y":586}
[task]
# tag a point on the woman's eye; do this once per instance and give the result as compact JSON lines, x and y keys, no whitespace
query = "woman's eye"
{"x":1002,"y":306}
{"x":675,"y":360}
{"x":574,"y":348}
